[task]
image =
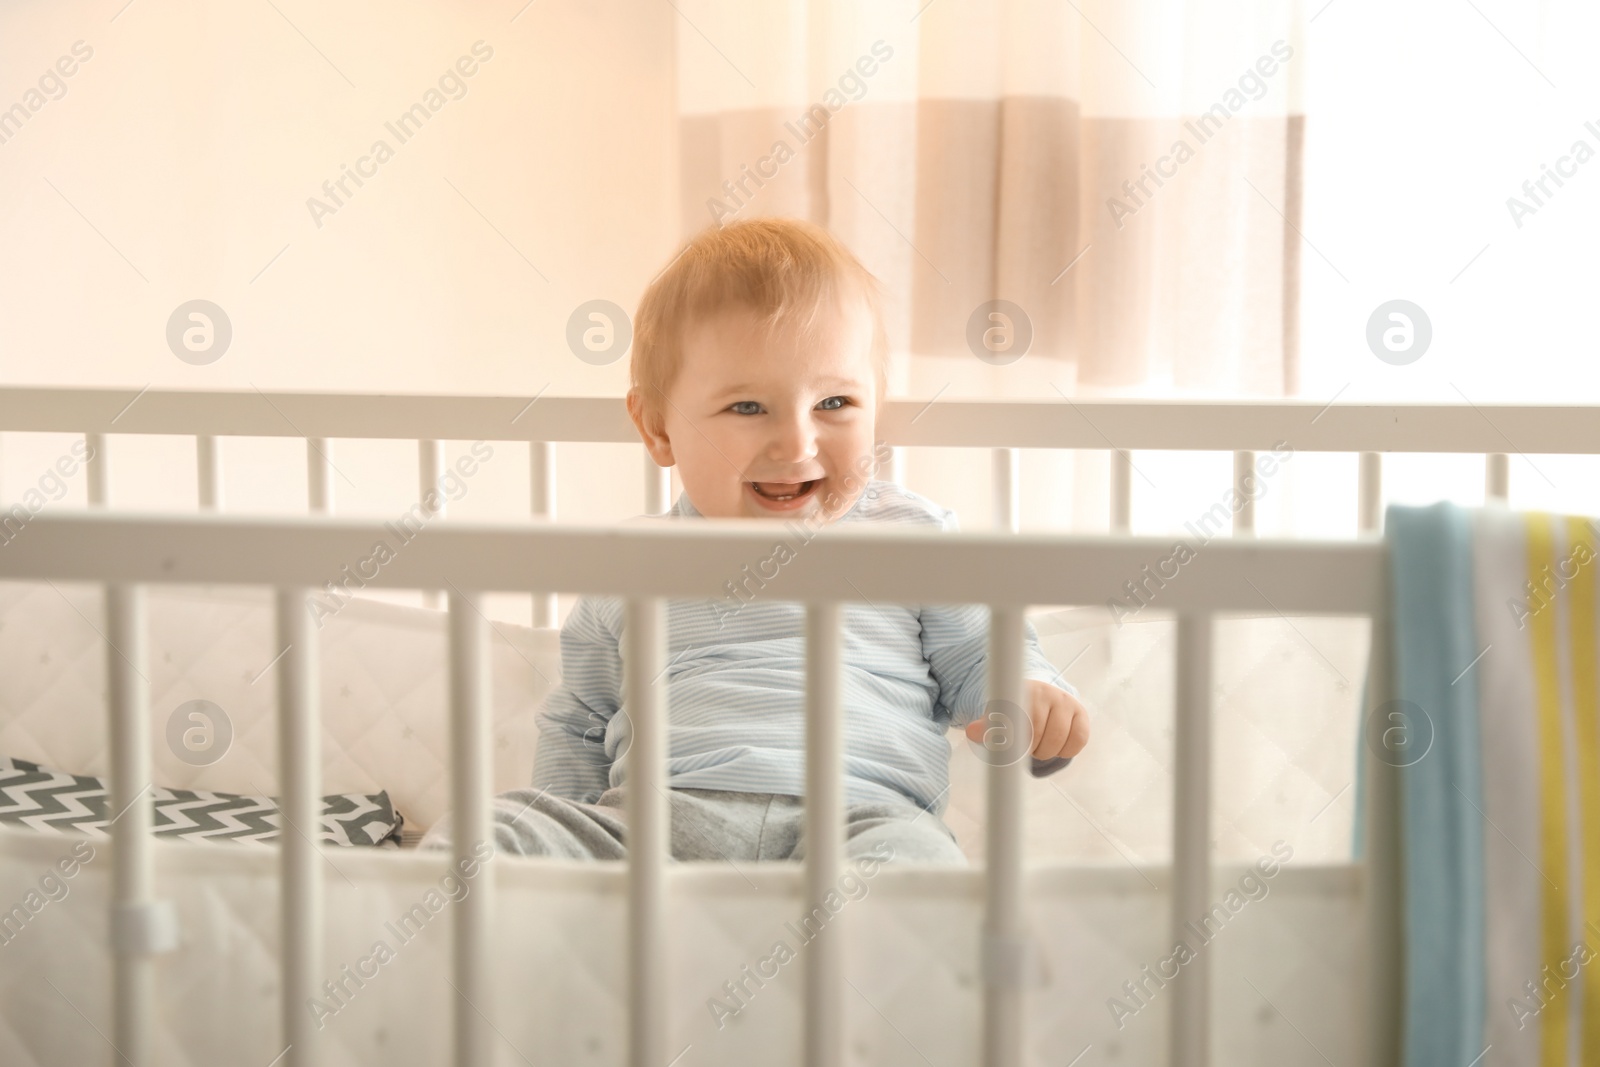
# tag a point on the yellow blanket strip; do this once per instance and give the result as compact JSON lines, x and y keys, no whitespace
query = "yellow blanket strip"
{"x":1586,"y":708}
{"x":1553,"y":793}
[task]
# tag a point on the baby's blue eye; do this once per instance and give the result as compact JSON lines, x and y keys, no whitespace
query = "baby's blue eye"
{"x":746,"y":407}
{"x":832,"y":403}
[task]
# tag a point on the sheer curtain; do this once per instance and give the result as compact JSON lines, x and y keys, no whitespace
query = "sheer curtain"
{"x":1128,"y":175}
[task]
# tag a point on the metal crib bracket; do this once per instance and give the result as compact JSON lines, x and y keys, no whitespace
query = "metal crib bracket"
{"x":145,"y":929}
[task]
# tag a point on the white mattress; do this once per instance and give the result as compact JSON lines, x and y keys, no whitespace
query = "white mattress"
{"x":1285,"y":696}
{"x":913,"y":964}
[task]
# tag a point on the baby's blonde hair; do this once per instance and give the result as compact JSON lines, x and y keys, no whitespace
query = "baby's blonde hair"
{"x":787,"y":271}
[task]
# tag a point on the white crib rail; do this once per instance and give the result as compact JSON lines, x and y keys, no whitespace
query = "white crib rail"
{"x":646,"y":564}
{"x":1191,"y":833}
{"x":133,"y":910}
{"x":300,"y":807}
{"x":824,"y":832}
{"x":1006,"y":956}
{"x":471,"y":716}
{"x":1120,"y":426}
{"x":644,"y":661}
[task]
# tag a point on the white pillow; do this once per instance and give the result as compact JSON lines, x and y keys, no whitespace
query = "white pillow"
{"x":385,"y":702}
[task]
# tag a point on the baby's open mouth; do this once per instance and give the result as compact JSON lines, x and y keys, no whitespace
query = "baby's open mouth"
{"x":783,"y":492}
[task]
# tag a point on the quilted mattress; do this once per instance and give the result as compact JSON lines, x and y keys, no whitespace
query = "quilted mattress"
{"x":1284,"y":967}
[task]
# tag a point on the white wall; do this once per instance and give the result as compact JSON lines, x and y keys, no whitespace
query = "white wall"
{"x":178,"y":164}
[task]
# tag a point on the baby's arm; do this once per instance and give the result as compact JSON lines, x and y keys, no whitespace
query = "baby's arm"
{"x":955,"y":642}
{"x":572,"y":761}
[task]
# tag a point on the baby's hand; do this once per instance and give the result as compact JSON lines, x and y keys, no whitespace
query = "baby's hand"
{"x":1059,"y":721}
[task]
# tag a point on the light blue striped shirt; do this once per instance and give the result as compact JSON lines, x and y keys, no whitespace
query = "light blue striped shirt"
{"x":736,"y":685}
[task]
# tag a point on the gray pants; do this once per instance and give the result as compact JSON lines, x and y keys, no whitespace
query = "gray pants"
{"x":707,"y":824}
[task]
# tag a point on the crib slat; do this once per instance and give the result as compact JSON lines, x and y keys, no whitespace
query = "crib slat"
{"x":644,"y":659}
{"x":1497,"y":477}
{"x":897,"y":465}
{"x":98,"y":469}
{"x":208,"y":471}
{"x":1005,"y":945}
{"x":542,"y":503}
{"x":824,"y":1003}
{"x":300,"y":804}
{"x":1007,"y":489}
{"x":1121,"y":490}
{"x":470,"y":787}
{"x":1370,"y":518}
{"x":1244,"y":484}
{"x":430,"y":466}
{"x":657,"y":487}
{"x":319,"y":475}
{"x":1191,"y":837}
{"x":133,"y":862}
{"x":542,"y":479}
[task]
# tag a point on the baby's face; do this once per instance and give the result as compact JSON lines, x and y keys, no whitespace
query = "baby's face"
{"x":773,"y":425}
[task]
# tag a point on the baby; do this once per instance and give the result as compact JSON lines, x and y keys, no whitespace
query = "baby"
{"x":759,"y":365}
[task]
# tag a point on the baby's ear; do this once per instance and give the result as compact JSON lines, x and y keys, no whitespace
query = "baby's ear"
{"x":651,"y":427}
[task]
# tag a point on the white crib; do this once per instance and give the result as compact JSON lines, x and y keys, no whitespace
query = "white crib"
{"x":647,"y":564}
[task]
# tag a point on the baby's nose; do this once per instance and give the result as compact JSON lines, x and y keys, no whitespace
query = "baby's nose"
{"x":795,"y":439}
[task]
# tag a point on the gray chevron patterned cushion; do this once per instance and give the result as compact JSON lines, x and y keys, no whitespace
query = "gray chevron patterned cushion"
{"x":42,"y":799}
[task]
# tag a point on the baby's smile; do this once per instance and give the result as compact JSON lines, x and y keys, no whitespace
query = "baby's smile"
{"x":783,"y":496}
